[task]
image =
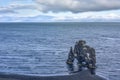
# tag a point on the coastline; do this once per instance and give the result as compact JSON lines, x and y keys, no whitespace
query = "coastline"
{"x":83,"y":75}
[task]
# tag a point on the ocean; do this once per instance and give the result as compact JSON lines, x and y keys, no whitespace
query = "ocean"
{"x":42,"y":48}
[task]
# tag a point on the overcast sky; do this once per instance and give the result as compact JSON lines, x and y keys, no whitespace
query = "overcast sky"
{"x":59,"y":10}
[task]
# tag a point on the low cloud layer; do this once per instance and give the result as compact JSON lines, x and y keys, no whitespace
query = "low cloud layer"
{"x":6,"y":10}
{"x":12,"y":8}
{"x":60,"y":10}
{"x":77,"y":5}
{"x":74,"y":6}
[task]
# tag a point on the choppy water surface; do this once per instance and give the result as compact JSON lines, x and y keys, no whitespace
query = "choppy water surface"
{"x":42,"y":48}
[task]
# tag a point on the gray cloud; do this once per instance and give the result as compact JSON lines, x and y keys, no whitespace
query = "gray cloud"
{"x":77,"y":5}
{"x":12,"y":8}
{"x":22,"y":6}
{"x":6,"y":10}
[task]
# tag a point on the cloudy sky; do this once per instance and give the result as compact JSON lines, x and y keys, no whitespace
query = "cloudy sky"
{"x":59,"y":10}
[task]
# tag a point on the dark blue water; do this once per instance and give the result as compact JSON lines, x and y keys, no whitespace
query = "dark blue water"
{"x":42,"y":48}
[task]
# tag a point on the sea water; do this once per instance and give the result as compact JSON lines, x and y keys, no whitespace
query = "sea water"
{"x":42,"y":48}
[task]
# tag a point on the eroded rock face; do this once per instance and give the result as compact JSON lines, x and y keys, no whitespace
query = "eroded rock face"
{"x":85,"y":56}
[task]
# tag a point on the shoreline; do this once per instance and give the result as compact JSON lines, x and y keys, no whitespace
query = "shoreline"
{"x":83,"y":75}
